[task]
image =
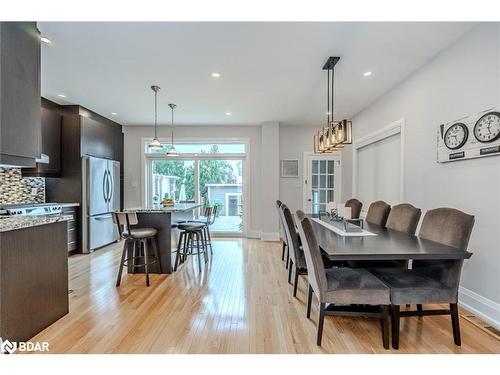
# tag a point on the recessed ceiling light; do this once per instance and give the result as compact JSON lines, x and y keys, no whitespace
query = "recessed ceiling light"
{"x":45,"y":40}
{"x":228,"y":113}
{"x":367,"y":74}
{"x":216,"y":75}
{"x":114,"y":113}
{"x":61,"y":95}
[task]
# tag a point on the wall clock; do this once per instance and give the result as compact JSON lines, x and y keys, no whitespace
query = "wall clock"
{"x":487,"y":128}
{"x":456,"y":136}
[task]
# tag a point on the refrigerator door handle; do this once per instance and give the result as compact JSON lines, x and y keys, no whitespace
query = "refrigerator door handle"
{"x":111,"y":186}
{"x":104,"y":192}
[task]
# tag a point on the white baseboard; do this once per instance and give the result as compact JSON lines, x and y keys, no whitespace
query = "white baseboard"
{"x":270,"y":236}
{"x":482,"y":307}
{"x":254,"y":234}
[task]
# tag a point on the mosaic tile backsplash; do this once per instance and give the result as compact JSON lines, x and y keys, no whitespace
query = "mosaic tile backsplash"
{"x":16,"y":189}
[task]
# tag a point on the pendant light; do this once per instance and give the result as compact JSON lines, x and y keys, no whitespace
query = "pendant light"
{"x":155,"y":143}
{"x":336,"y":134}
{"x":172,"y":151}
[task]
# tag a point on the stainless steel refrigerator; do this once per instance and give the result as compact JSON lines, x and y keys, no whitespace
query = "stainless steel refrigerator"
{"x":101,"y":197}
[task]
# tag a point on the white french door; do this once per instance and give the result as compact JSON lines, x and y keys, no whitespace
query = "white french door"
{"x":322,"y":181}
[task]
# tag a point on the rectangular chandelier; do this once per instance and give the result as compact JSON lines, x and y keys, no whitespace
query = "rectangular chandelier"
{"x":336,"y":134}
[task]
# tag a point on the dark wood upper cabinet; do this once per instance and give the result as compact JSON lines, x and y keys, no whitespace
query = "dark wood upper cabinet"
{"x":20,"y":130}
{"x":51,"y":142}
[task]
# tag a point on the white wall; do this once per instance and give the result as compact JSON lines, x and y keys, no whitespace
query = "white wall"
{"x":463,"y":79}
{"x":270,"y":179}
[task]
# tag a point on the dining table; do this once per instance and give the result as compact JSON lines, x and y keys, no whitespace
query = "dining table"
{"x":377,"y":243}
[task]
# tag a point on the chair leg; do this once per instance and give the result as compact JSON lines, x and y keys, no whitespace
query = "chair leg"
{"x":125,"y":250}
{"x":296,"y":282}
{"x":309,"y":300}
{"x":146,"y":261}
{"x":419,"y":309}
{"x":395,"y":326}
{"x":455,"y":323}
{"x":321,"y":320}
{"x":204,"y":242}
{"x":290,"y":272}
{"x":288,"y":256}
{"x":210,"y":240}
{"x":135,"y":250}
{"x":283,"y":252}
{"x":197,"y":236}
{"x":154,"y":244}
{"x":178,"y":255}
{"x":385,"y":326}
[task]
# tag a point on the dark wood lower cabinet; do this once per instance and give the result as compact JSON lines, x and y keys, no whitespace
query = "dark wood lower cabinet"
{"x":33,"y":279}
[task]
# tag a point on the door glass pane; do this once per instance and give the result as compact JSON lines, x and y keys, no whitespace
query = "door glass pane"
{"x":314,"y":197}
{"x":173,"y":179}
{"x":330,"y":196}
{"x":331,"y":166}
{"x":322,"y":181}
{"x":322,"y":166}
{"x":322,"y":196}
{"x":314,"y":166}
{"x":314,"y":181}
{"x":221,"y":187}
{"x":330,"y":182}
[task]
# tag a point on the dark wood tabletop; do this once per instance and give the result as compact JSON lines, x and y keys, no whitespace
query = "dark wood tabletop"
{"x":386,"y":245}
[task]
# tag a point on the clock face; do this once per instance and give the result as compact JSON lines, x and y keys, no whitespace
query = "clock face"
{"x":487,"y":128}
{"x":456,"y":136}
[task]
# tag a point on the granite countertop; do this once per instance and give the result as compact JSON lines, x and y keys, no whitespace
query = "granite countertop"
{"x":178,"y":207}
{"x":8,"y":223}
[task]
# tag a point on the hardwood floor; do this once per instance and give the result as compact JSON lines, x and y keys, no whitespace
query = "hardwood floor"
{"x":240,"y":303}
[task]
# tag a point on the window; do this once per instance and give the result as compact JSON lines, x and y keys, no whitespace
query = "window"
{"x":206,"y":173}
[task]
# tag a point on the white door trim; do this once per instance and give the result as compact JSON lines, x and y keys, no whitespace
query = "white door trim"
{"x":396,"y":127}
{"x":305,"y":183}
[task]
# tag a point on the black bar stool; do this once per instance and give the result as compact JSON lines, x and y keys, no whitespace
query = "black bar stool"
{"x":210,"y":215}
{"x":139,"y":237}
{"x":191,"y":242}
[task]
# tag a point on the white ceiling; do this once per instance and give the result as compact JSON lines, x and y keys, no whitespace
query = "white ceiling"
{"x":269,"y":71}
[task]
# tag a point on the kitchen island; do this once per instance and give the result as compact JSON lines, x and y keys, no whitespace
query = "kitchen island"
{"x":33,"y":274}
{"x":161,"y":218}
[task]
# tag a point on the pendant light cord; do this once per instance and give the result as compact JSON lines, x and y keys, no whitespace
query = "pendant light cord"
{"x":172,"y":126}
{"x":156,"y":113}
{"x":328,"y":113}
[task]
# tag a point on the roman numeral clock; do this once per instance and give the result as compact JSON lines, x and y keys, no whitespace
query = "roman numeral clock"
{"x":473,"y":136}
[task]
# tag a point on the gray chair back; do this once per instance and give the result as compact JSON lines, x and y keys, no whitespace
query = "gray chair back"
{"x":355,"y":206}
{"x":281,"y":223}
{"x":123,"y":221}
{"x":314,"y":262}
{"x":296,"y":254}
{"x":378,"y":213}
{"x":447,"y":226}
{"x":450,"y":227}
{"x":403,"y":217}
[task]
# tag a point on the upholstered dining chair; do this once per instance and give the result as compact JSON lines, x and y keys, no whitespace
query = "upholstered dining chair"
{"x":404,"y":218}
{"x":377,"y":213}
{"x":355,"y":207}
{"x":430,"y":281}
{"x":282,"y":233}
{"x":297,"y":259}
{"x":342,"y":286}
